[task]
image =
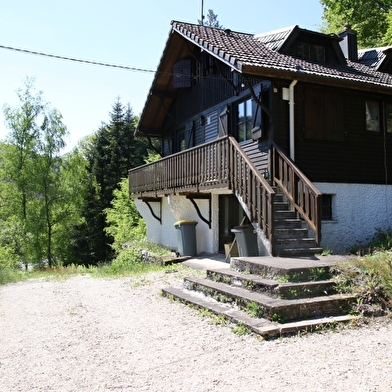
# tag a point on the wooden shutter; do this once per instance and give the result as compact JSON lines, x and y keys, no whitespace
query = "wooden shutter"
{"x":224,"y":122}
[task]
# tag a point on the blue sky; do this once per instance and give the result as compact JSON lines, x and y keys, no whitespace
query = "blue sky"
{"x":122,"y":32}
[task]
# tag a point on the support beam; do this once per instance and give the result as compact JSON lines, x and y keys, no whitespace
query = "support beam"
{"x":148,"y":201}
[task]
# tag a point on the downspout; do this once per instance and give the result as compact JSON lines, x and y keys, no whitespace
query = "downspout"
{"x":291,"y":103}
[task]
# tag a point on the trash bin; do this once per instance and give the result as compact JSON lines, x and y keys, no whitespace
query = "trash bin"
{"x":186,"y":237}
{"x":246,"y":240}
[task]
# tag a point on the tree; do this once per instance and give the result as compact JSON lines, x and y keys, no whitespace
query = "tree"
{"x":110,"y":154}
{"x":211,"y":20}
{"x":36,"y":194}
{"x":371,"y":19}
{"x":124,"y":222}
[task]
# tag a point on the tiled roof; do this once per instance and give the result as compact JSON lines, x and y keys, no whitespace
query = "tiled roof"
{"x":244,"y":51}
{"x":275,"y":39}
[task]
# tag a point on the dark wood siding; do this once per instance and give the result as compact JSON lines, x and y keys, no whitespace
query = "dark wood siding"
{"x":211,"y":125}
{"x":257,"y":152}
{"x":343,"y":151}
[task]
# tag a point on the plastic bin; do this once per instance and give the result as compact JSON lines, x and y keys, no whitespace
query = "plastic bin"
{"x":186,"y":237}
{"x":246,"y":240}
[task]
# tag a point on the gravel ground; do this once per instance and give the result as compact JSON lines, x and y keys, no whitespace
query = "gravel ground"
{"x":86,"y":334}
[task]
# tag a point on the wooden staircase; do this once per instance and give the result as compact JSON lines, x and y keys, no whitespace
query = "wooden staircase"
{"x":291,"y":235}
{"x":269,"y":295}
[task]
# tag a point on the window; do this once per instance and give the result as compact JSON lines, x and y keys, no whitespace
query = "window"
{"x":244,"y":120}
{"x":388,"y":115}
{"x":326,"y":207}
{"x":311,"y":52}
{"x":372,"y":116}
{"x":378,"y":116}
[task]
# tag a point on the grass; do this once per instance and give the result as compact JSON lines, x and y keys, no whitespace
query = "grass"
{"x":129,"y":262}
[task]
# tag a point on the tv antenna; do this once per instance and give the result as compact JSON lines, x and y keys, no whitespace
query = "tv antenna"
{"x":202,"y":12}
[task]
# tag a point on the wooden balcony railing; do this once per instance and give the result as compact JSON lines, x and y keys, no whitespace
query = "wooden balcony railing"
{"x":221,"y":163}
{"x":195,"y":169}
{"x":302,"y":194}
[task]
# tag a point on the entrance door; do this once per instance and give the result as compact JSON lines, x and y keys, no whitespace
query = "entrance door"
{"x":230,"y":215}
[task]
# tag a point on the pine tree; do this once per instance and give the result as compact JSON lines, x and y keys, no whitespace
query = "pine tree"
{"x":112,"y":152}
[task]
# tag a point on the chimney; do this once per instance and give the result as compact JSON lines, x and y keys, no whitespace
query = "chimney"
{"x":349,"y":44}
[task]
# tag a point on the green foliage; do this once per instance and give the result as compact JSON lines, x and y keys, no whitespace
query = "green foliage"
{"x":211,"y":20}
{"x":39,"y":189}
{"x":9,"y":266}
{"x":109,"y":155}
{"x":254,"y":309}
{"x":382,"y":240}
{"x":123,"y":219}
{"x":370,"y":277}
{"x":241,"y":329}
{"x":371,"y":19}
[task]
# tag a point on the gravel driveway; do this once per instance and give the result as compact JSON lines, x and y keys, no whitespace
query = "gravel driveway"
{"x":86,"y":334}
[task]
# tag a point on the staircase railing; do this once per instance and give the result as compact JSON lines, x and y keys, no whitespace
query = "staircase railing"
{"x":255,"y":192}
{"x":300,"y":191}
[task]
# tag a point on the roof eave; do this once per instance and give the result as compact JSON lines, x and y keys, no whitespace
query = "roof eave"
{"x":309,"y":77}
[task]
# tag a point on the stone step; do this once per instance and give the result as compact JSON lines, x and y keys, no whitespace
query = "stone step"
{"x":275,"y":309}
{"x":271,"y":287}
{"x":287,"y":269}
{"x":261,"y":326}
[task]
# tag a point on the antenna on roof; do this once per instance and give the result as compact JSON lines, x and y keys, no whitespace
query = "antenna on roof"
{"x":202,"y":13}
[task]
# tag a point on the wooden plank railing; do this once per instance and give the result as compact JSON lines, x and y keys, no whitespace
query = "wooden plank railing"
{"x":221,"y":163}
{"x":197,"y":168}
{"x":255,"y":192}
{"x":300,"y":191}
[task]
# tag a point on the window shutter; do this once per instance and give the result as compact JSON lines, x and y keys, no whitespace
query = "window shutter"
{"x":257,"y":116}
{"x":182,"y":74}
{"x":224,"y":122}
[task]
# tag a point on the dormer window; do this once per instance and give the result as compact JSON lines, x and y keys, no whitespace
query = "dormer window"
{"x":311,"y":52}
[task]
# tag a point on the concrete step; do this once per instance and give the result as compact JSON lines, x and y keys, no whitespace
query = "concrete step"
{"x":261,"y":326}
{"x":288,"y":290}
{"x":287,"y":269}
{"x":276,"y":309}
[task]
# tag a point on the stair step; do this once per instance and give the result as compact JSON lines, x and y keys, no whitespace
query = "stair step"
{"x":288,"y":223}
{"x":247,"y":281}
{"x":276,"y":309}
{"x":296,"y":232}
{"x":261,"y":326}
{"x":289,"y":269}
{"x":289,"y":290}
{"x":306,"y":289}
{"x":298,"y":252}
{"x":285,"y":214}
{"x":281,"y":205}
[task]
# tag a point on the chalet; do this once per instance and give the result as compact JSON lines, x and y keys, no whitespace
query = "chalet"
{"x":290,"y":130}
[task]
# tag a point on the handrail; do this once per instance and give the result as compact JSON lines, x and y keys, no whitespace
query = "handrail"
{"x":254,"y":190}
{"x":300,"y":191}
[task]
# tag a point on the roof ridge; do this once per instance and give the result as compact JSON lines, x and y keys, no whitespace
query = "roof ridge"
{"x":281,"y":30}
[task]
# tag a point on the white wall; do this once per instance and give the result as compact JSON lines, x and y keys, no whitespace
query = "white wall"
{"x":357,"y":211}
{"x":175,"y":208}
